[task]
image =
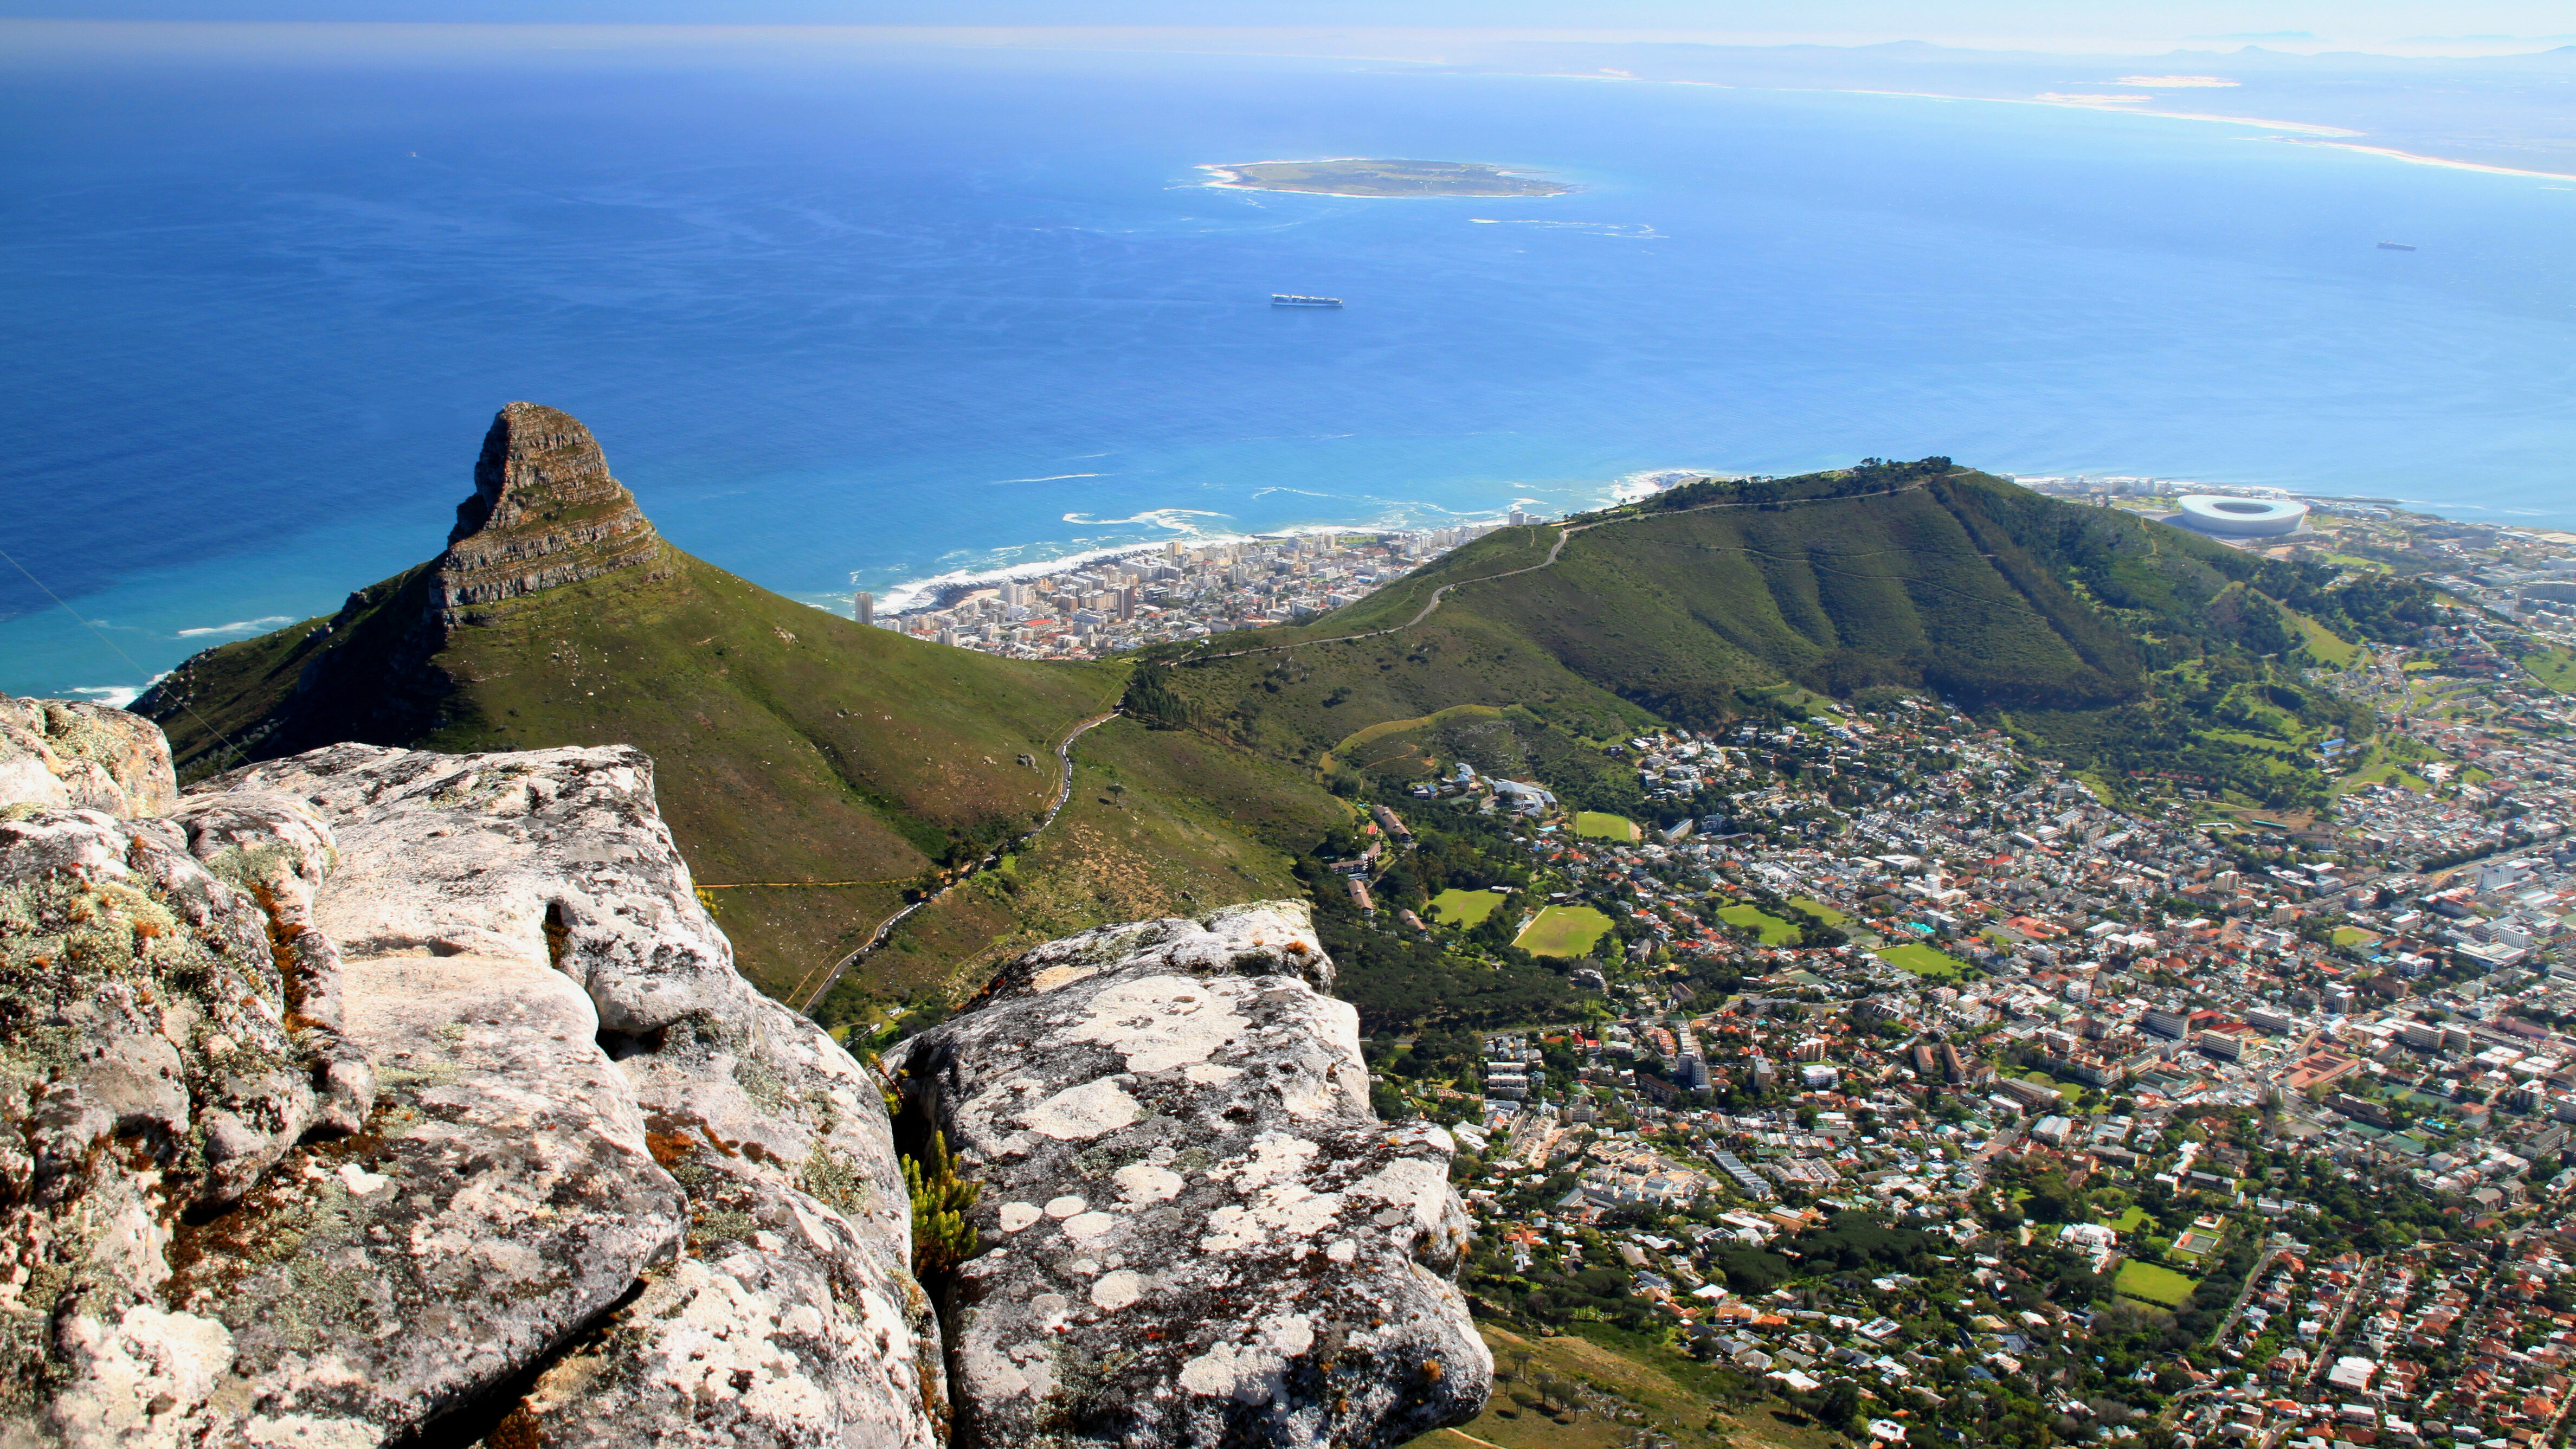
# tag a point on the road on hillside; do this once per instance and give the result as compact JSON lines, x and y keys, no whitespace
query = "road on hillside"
{"x":1564,"y":531}
{"x":885,"y":929}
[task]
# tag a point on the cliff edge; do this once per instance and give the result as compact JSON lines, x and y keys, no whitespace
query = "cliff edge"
{"x":375,"y":1093}
{"x":1195,"y":1229}
{"x":376,"y":1096}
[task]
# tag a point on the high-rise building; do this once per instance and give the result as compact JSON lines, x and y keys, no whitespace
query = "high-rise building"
{"x":864,"y":607}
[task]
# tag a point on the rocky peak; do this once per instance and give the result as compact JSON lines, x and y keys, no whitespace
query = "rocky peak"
{"x":545,"y":512}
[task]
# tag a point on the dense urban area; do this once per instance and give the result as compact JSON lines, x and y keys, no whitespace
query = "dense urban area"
{"x":1921,"y":1089}
{"x":1178,"y":591}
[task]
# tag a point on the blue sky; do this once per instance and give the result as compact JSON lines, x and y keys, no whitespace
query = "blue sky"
{"x":2405,"y":25}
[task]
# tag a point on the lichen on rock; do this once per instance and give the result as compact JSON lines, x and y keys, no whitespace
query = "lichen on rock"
{"x":86,"y":756}
{"x":368,"y":1085}
{"x":147,"y":1068}
{"x":1196,"y":1230}
{"x":779,"y":1141}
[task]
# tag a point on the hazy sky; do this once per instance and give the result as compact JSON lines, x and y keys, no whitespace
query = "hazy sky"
{"x":2452,"y":26}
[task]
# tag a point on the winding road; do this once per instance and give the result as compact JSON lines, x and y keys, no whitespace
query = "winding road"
{"x":885,"y":928}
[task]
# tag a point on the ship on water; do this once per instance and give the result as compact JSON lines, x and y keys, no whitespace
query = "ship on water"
{"x":2396,"y":246}
{"x":1292,"y":299}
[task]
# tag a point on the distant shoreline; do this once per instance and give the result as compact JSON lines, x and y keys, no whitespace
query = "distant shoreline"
{"x":915,"y":594}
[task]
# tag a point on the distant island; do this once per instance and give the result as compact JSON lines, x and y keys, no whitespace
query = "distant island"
{"x":1360,"y":176}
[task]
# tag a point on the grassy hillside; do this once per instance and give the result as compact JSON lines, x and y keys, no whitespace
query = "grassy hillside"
{"x":1159,"y":823}
{"x":811,"y":769}
{"x":1596,"y":1387}
{"x":2113,"y":641}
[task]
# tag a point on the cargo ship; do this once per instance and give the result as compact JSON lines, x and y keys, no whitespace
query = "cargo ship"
{"x":1291,"y":299}
{"x":2395,"y":247}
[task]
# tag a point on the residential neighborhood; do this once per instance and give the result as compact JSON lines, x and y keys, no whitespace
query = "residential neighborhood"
{"x":1917,"y":1084}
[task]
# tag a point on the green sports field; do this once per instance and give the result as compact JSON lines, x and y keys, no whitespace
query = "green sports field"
{"x":2553,"y":667}
{"x":2154,"y":1284}
{"x":1922,"y":960}
{"x":1564,"y":931}
{"x":1594,"y":825}
{"x":1817,"y":909}
{"x":1464,"y":908}
{"x":1774,"y":930}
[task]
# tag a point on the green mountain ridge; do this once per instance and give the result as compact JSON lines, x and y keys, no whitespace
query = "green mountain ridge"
{"x":816,"y":774}
{"x":2114,"y":641}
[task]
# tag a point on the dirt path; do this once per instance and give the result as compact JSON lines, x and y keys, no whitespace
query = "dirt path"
{"x":885,"y":928}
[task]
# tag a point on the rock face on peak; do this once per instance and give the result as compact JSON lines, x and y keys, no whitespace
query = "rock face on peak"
{"x":544,"y":512}
{"x":1194,"y":1229}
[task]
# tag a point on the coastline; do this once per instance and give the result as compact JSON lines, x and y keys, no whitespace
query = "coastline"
{"x":917,"y":594}
{"x":927,"y":591}
{"x":2416,"y":158}
{"x":934,"y":591}
{"x":2311,"y":133}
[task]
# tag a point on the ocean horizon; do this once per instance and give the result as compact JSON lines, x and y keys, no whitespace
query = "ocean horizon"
{"x":913,"y":313}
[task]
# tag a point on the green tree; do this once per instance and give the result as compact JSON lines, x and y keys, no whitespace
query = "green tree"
{"x":941,"y":1236}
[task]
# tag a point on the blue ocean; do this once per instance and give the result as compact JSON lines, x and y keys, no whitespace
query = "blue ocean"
{"x":857,"y":319}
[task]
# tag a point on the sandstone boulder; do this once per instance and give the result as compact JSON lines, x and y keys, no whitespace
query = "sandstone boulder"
{"x":501,"y":1198}
{"x":793,"y":1317}
{"x":1193,"y":1229}
{"x":84,"y":756}
{"x":375,"y":1096}
{"x":149,"y":1067}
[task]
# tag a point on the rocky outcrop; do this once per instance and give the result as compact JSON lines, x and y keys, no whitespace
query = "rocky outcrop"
{"x":545,"y":512}
{"x":794,"y":1318}
{"x":149,"y":1069}
{"x":376,"y":1096}
{"x":374,"y":1093}
{"x":1193,"y":1228}
{"x":83,"y":755}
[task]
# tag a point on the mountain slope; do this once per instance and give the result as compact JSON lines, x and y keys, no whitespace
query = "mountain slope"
{"x":1702,"y":603}
{"x":790,"y":746}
